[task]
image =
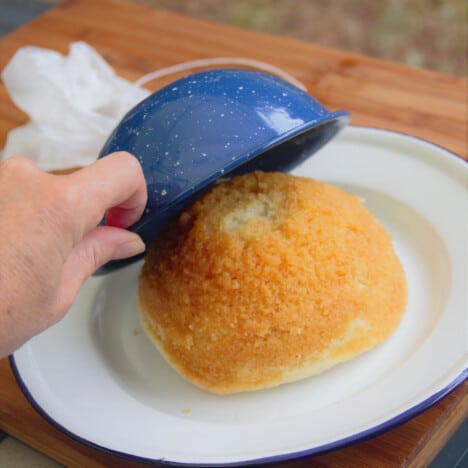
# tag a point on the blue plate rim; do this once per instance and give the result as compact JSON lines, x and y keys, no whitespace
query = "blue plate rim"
{"x":362,"y":436}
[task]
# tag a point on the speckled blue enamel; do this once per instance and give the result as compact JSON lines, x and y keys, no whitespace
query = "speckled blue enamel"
{"x":214,"y":124}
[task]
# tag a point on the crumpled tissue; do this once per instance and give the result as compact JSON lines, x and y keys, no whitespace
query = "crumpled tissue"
{"x":74,"y":102}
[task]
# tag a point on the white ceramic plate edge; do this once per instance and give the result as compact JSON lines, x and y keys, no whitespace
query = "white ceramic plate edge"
{"x":457,"y":375}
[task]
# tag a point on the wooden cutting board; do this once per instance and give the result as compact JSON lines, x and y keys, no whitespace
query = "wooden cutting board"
{"x":136,"y":40}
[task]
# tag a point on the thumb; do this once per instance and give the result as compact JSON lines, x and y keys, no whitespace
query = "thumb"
{"x":102,"y":244}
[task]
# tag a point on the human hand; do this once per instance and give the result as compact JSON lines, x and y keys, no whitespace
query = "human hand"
{"x":50,"y":240}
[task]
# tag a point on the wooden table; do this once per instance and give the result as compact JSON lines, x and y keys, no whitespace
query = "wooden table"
{"x":136,"y":40}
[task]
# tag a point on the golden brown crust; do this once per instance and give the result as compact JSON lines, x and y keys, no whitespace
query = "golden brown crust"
{"x":269,"y":278}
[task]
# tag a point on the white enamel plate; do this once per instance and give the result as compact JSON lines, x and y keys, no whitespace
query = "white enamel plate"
{"x":96,"y":376}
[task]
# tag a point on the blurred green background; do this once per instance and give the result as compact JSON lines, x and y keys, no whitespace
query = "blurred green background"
{"x":423,"y":33}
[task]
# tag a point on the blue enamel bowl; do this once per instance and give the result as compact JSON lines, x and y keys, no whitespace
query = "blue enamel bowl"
{"x":213,"y":124}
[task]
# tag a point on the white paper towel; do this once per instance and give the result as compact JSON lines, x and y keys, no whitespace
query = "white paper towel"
{"x":74,"y":102}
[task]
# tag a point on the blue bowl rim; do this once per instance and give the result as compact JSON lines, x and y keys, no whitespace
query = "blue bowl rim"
{"x":342,"y":117}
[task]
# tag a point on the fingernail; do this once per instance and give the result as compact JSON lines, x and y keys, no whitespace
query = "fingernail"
{"x":129,"y":249}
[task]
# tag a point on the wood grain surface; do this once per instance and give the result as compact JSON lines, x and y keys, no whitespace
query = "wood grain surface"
{"x":136,"y":40}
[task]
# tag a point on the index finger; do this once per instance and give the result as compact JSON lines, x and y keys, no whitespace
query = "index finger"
{"x":114,"y":185}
